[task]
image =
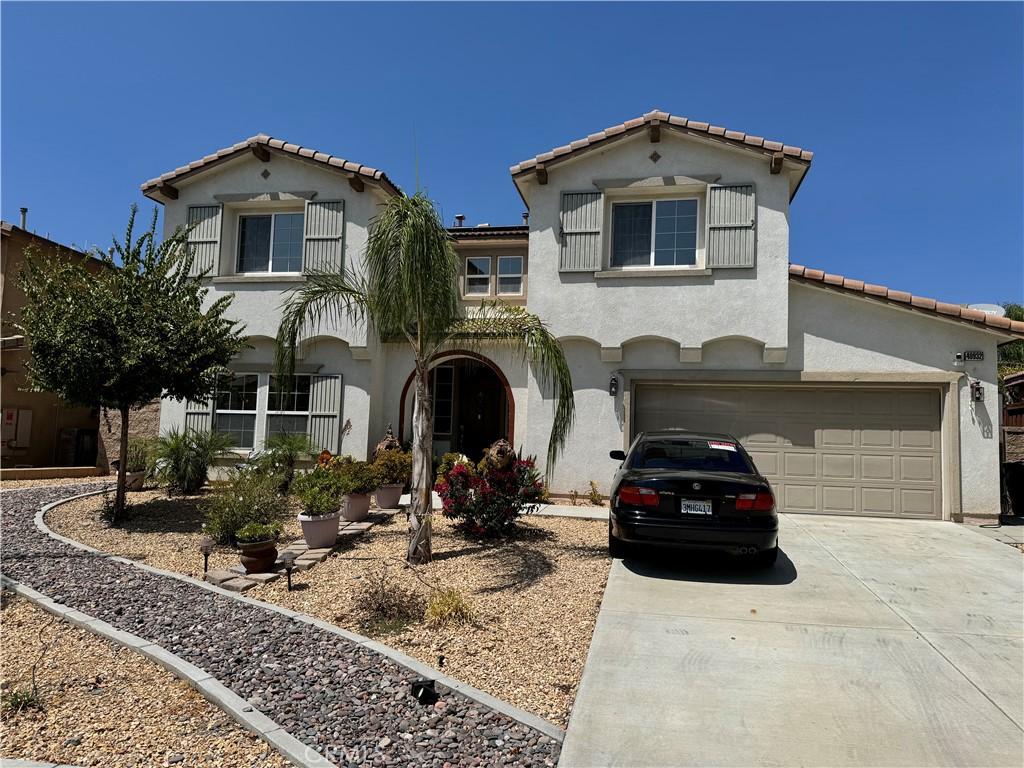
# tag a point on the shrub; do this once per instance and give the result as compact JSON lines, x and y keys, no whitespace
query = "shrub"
{"x":250,"y":496}
{"x":382,"y":606}
{"x":137,"y":458}
{"x":594,"y":495}
{"x":393,"y":467}
{"x":574,"y":497}
{"x":183,"y":458}
{"x":446,"y":607}
{"x":356,"y":476}
{"x":488,"y":501}
{"x":284,"y":451}
{"x":448,"y":461}
{"x":254,"y":532}
{"x":319,"y":490}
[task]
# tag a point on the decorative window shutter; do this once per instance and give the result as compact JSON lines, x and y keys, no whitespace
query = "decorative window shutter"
{"x":732,"y":233}
{"x":199,"y":415}
{"x":325,"y":399}
{"x":204,"y":222}
{"x":581,"y":216}
{"x":323,"y":249}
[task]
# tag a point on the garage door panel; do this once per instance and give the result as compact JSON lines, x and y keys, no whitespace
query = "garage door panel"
{"x":866,"y":451}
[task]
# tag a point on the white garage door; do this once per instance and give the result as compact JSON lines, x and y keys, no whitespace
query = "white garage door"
{"x":849,"y":451}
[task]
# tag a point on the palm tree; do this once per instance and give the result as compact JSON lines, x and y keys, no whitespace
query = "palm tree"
{"x":409,"y":293}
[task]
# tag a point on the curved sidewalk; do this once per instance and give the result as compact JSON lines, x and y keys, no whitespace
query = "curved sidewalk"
{"x":344,"y":696}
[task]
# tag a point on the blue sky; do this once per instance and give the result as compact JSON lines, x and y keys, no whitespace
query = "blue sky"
{"x":915,"y":111}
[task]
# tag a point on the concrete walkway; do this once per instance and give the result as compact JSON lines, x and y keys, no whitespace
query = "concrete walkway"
{"x":871,"y":643}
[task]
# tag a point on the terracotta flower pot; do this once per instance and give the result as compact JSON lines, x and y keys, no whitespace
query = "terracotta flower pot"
{"x":388,"y":495}
{"x":357,"y":507}
{"x":258,"y":556}
{"x":133,"y":480}
{"x":320,"y":532}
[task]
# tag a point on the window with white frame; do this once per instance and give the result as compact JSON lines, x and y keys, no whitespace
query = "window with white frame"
{"x":478,"y":276}
{"x":234,"y":408}
{"x":270,"y":242}
{"x":656,"y":233}
{"x":288,"y":405}
{"x":510,"y":275}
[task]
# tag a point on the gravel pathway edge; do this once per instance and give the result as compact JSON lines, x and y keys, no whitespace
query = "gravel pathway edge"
{"x":498,"y":705}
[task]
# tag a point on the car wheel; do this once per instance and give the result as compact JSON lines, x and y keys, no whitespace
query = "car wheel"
{"x":766,"y":557}
{"x":616,"y":547}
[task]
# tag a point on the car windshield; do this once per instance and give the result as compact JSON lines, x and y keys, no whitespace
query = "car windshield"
{"x":690,"y":453}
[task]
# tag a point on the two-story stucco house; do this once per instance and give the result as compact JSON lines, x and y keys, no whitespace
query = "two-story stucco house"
{"x":658,"y":253}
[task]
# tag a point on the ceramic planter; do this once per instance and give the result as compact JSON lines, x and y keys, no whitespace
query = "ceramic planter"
{"x":388,"y":495}
{"x":258,"y":556}
{"x":357,"y":507}
{"x":320,"y":532}
{"x":133,"y":480}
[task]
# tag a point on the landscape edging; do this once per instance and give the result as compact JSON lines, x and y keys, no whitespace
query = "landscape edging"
{"x":485,"y":699}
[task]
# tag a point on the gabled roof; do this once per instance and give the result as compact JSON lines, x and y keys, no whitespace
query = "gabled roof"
{"x":908,"y":300}
{"x":657,"y":118}
{"x":261,"y":144}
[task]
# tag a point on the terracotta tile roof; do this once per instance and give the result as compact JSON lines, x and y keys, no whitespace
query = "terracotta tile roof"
{"x":512,"y":232}
{"x":278,"y":145}
{"x":882,"y":293}
{"x":738,"y":138}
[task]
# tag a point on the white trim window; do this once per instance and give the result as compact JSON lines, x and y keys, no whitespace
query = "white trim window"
{"x":510,"y":276}
{"x":288,"y":406}
{"x":478,"y":276}
{"x":234,"y":408}
{"x":270,"y":242}
{"x":655,"y":233}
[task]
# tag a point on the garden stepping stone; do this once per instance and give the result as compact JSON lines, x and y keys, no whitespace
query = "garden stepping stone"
{"x":238,"y":584}
{"x":263,"y":578}
{"x":219,"y":577}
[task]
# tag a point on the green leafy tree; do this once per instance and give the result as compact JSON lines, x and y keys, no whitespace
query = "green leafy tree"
{"x":409,"y":294}
{"x":1011,"y":354}
{"x":127,"y":334}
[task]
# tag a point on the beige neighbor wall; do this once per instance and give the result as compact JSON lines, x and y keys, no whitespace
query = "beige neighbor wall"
{"x":143,"y":423}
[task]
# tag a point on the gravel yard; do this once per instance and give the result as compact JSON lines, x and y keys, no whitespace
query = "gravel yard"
{"x":108,"y":706}
{"x":535,"y":599}
{"x":12,"y":485}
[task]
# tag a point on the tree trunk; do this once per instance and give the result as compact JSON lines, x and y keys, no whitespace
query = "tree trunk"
{"x":421,"y":508}
{"x":119,"y":497}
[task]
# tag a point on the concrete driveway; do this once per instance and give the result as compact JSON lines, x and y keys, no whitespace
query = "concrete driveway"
{"x":871,"y":643}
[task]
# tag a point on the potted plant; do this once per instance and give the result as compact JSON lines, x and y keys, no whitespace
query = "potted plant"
{"x":319,"y":491}
{"x":136,"y":464}
{"x":256,"y":542}
{"x":393,"y":469}
{"x":358,"y":480}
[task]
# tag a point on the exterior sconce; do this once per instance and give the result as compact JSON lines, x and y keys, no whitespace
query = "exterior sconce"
{"x":288,"y":561}
{"x":613,"y":386}
{"x":977,"y":391}
{"x":206,"y":547}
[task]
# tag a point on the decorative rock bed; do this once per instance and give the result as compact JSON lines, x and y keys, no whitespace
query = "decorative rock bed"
{"x":348,"y":702}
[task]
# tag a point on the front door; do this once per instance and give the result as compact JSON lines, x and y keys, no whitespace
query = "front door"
{"x":470,"y":407}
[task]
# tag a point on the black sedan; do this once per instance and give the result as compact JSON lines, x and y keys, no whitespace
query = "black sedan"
{"x":695,"y":491}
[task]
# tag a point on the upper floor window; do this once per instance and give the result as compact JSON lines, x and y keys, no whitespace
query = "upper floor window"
{"x":658,"y":233}
{"x":234,"y":412}
{"x":507,"y":282}
{"x":270,"y":243}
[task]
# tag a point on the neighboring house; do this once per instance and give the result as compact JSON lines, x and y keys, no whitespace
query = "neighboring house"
{"x":658,"y":253}
{"x":38,"y":428}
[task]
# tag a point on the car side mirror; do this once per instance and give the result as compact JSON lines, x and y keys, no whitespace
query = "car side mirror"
{"x":618,"y":455}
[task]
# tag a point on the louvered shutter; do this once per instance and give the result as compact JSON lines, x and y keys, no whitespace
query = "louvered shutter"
{"x":732,"y":240}
{"x":580,"y":234}
{"x":323,"y":236}
{"x":325,"y":398}
{"x":204,"y":222}
{"x":199,"y":415}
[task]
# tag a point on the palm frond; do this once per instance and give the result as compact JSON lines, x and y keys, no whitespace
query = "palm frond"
{"x":324,"y":297}
{"x":499,"y":323}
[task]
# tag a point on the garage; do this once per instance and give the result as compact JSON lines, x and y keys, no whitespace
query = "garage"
{"x":833,"y":450}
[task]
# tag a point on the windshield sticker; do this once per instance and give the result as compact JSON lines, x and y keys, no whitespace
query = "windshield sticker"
{"x":720,"y":446}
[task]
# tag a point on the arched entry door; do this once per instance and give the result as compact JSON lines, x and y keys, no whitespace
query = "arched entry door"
{"x":473,"y":405}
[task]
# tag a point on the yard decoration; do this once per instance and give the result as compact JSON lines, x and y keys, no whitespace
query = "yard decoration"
{"x":486,"y":500}
{"x":256,"y":543}
{"x":320,"y":491}
{"x":388,"y":443}
{"x":409,"y":293}
{"x":128,"y":334}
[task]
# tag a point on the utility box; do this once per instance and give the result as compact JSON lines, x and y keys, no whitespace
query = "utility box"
{"x":16,"y":428}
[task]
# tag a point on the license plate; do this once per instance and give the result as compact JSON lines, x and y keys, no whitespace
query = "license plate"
{"x":695,"y":507}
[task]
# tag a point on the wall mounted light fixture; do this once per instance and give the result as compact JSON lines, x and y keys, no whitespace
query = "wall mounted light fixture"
{"x":613,"y":386}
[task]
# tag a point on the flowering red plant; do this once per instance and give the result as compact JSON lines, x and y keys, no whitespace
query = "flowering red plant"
{"x":486,"y":500}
